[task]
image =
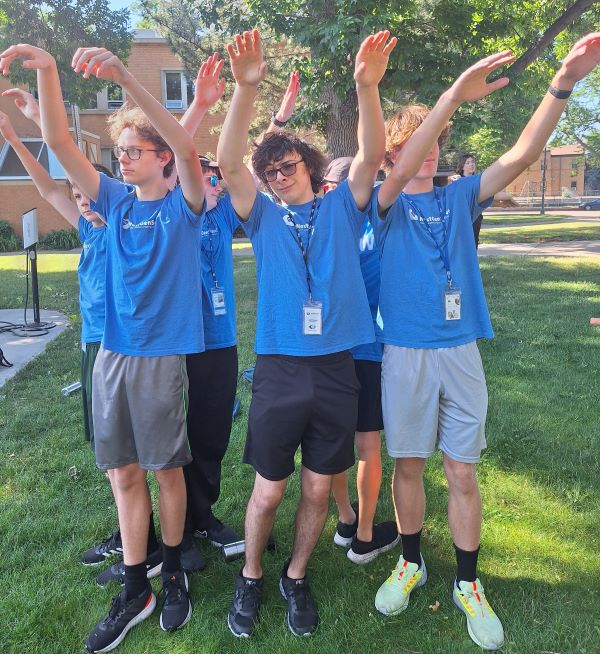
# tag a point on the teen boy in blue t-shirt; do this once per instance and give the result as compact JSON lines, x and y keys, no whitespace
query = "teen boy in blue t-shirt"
{"x":140,"y":382}
{"x":433,"y":309}
{"x":312,"y":308}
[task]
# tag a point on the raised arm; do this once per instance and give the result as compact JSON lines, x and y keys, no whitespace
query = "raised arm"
{"x":208,"y":91}
{"x":249,"y":68}
{"x":471,"y":85}
{"x":105,"y":65}
{"x":288,"y":103}
{"x":46,"y":186}
{"x":55,"y":127}
{"x":582,"y":59}
{"x":25,"y":103}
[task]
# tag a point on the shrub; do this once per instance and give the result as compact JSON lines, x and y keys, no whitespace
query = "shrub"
{"x":60,"y":239}
{"x":8,"y":239}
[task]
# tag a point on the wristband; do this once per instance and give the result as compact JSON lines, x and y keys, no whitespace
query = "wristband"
{"x":557,"y":93}
{"x":277,"y":122}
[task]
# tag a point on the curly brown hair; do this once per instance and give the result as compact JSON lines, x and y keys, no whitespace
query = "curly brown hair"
{"x":276,"y":145}
{"x":137,"y":121}
{"x":400,"y":127}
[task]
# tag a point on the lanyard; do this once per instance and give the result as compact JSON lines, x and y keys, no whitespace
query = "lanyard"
{"x":304,"y":250}
{"x":443,"y":247}
{"x":210,"y":252}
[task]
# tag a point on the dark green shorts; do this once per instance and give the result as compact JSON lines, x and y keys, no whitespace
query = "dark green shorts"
{"x":88,"y":356}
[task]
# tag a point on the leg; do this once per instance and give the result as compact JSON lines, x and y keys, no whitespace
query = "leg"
{"x":260,"y":516}
{"x":339,"y":489}
{"x":310,"y":520}
{"x":409,"y":494}
{"x":172,"y":503}
{"x":464,"y":503}
{"x":368,"y":480}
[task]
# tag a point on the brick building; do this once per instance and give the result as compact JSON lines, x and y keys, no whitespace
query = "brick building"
{"x":157,"y":68}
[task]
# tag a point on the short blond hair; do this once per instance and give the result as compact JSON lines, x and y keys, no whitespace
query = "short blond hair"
{"x":400,"y":127}
{"x":137,"y":121}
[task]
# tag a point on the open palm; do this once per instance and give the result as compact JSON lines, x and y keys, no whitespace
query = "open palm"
{"x":247,"y":62}
{"x":473,"y":84}
{"x":209,"y":87}
{"x":583,"y":57}
{"x":372,"y":58}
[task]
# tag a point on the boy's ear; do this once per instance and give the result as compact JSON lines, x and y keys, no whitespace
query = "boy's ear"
{"x":164,"y":156}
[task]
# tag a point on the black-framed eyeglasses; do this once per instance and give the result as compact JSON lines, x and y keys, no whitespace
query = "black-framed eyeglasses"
{"x":133,"y":153}
{"x":287,"y":169}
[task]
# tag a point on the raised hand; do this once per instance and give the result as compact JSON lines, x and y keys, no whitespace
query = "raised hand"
{"x":99,"y":62}
{"x":288,"y":102}
{"x":247,"y":62}
{"x":6,"y":128}
{"x":209,"y":87}
{"x":25,"y":102}
{"x":372,"y":58}
{"x":583,"y":57}
{"x":32,"y":57}
{"x":473,"y":85}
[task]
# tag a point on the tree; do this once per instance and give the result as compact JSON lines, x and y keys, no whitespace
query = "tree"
{"x":60,"y":26}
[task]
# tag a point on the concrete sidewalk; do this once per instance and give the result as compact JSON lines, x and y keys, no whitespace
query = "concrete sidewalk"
{"x":562,"y":249}
{"x":20,"y":350}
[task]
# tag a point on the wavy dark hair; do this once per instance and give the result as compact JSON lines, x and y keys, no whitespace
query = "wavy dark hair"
{"x":276,"y":145}
{"x":462,"y":160}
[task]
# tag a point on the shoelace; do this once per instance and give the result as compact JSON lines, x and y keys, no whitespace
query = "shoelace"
{"x":299,"y":595}
{"x":111,"y":542}
{"x":248,"y":596}
{"x":172,"y":590}
{"x":118,"y":606}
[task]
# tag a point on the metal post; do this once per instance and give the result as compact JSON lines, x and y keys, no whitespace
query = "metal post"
{"x":32,"y":253}
{"x":543,"y":207}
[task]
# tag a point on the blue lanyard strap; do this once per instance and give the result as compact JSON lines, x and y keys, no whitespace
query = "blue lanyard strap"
{"x":210,"y":252}
{"x":443,"y":246}
{"x":298,"y":239}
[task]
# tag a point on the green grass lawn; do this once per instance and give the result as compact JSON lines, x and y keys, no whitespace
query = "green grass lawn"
{"x":542,"y":233}
{"x":540,"y":556}
{"x":499,"y":219}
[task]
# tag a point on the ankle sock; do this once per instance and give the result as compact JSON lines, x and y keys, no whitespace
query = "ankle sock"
{"x":466,"y":564}
{"x":136,"y":581}
{"x":171,"y":557}
{"x":411,"y":547}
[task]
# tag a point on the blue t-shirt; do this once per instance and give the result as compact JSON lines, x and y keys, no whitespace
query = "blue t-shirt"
{"x":92,"y":280}
{"x":334,"y":267}
{"x":413,"y":276}
{"x":218,"y":226}
{"x":369,"y":267}
{"x":153,"y":299}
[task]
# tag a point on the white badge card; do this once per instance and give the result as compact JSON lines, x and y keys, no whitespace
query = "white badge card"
{"x":452,"y":303}
{"x":218,"y":301}
{"x":312,"y":318}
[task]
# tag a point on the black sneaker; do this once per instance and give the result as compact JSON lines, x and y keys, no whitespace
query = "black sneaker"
{"x":345,"y":533}
{"x":116,"y":572}
{"x":177,"y":608}
{"x":243,"y":612}
{"x":108,"y":547}
{"x":217,"y":533}
{"x":124,"y":614}
{"x":385,"y":536}
{"x":191,"y":557}
{"x":302,"y":616}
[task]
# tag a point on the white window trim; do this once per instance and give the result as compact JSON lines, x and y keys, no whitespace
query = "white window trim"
{"x":185,"y":101}
{"x":53,"y":163}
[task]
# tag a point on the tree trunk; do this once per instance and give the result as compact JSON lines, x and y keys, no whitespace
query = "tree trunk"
{"x":565,"y":19}
{"x":341,"y":124}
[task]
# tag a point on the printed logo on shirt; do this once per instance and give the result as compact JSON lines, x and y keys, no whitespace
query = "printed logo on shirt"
{"x":289,"y":223}
{"x":367,"y":240}
{"x":145,"y":224}
{"x":211,"y":231}
{"x":430,"y":219}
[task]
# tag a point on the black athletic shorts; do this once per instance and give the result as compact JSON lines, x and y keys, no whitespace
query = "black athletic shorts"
{"x":370,"y":415}
{"x":311,"y":402}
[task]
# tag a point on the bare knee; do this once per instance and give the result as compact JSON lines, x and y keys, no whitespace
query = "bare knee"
{"x":462,"y":477}
{"x":316,"y":488}
{"x":409,"y":469}
{"x":267,"y":494}
{"x":168,"y":479}
{"x":128,"y":477}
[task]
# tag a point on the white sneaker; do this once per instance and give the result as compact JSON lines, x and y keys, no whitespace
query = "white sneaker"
{"x":482,"y":623}
{"x":393,"y":595}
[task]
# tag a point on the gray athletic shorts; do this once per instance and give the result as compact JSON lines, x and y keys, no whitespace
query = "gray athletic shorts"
{"x":432,"y":398}
{"x":139,"y":406}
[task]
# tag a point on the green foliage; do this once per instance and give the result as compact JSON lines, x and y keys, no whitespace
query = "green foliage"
{"x":60,"y":26}
{"x":60,"y":239}
{"x":8,"y":239}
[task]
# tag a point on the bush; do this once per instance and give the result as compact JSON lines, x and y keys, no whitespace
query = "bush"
{"x":60,"y":239}
{"x":8,"y":239}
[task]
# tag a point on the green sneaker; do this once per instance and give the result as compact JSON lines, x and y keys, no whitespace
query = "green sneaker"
{"x":393,"y":595}
{"x":482,"y":623}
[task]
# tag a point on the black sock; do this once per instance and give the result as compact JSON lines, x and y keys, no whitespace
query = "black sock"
{"x":136,"y":581}
{"x":152,"y":540}
{"x":171,"y":558}
{"x":411,"y":547}
{"x":466,"y":564}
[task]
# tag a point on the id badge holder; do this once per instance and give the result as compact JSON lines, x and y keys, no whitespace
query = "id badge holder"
{"x":312,"y":318}
{"x":452,"y":303}
{"x":218,"y":301}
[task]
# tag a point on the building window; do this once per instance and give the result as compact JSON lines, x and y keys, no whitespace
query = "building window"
{"x":109,"y":160}
{"x":114,"y":96}
{"x":12,"y":168}
{"x":574,"y":185}
{"x":178,"y":90}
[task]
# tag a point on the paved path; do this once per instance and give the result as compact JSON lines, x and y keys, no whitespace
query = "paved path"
{"x":20,"y":351}
{"x":561,"y":249}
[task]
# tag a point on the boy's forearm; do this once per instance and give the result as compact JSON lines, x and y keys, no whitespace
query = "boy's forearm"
{"x":53,"y":117}
{"x":370,"y":133}
{"x":192,"y":118}
{"x":175,"y":135}
{"x":234,"y":134}
{"x":42,"y":180}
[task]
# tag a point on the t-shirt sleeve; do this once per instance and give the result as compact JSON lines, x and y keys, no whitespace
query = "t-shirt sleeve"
{"x":84,"y":228}
{"x":473,"y":183}
{"x":227,"y":213}
{"x":381,"y":224}
{"x":261,"y":203}
{"x":343,"y":194}
{"x":182,"y":208}
{"x":110,"y":191}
